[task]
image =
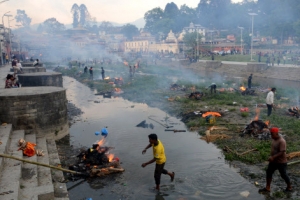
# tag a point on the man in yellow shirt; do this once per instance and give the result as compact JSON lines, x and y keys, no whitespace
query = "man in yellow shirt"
{"x":159,"y":158}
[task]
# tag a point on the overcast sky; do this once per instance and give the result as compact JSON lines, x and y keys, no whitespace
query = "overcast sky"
{"x":119,"y":11}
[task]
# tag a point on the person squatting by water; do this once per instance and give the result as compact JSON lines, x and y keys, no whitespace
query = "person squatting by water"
{"x":91,"y":73}
{"x":159,"y":157}
{"x":249,"y":81}
{"x":102,"y":73}
{"x":85,"y":69}
{"x":213,"y":88}
{"x":277,"y":161}
{"x":270,"y":100}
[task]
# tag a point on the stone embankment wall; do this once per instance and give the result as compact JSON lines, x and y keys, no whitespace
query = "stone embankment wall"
{"x":41,"y":79}
{"x":40,"y":110}
{"x":30,"y":64}
{"x":259,"y":70}
{"x":31,"y":69}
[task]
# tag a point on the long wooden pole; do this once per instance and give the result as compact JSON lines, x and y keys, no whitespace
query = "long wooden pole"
{"x":292,"y":163}
{"x":40,"y":164}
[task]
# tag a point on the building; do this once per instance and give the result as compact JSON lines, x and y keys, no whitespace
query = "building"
{"x":195,"y":28}
{"x":137,"y":46}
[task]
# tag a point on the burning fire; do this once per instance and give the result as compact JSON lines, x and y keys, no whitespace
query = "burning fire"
{"x":117,"y":90}
{"x":125,"y":63}
{"x":257,"y":111}
{"x":110,"y":157}
{"x":242,"y":88}
{"x":101,"y":142}
{"x":107,"y":78}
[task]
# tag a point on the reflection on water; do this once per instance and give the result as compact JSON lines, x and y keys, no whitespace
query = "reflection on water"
{"x":201,"y":172}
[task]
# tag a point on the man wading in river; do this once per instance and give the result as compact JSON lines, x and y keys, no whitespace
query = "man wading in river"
{"x":159,"y":157}
{"x":277,"y":161}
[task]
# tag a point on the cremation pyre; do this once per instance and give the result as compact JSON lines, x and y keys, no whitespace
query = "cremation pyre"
{"x":96,"y":161}
{"x":257,"y":128}
{"x":196,"y":95}
{"x":246,"y":91}
{"x":177,"y":87}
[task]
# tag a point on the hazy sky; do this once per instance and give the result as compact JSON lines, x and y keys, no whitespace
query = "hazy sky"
{"x":120,"y":11}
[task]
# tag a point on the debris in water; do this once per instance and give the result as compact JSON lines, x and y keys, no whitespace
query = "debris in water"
{"x":143,"y":124}
{"x":245,"y":194}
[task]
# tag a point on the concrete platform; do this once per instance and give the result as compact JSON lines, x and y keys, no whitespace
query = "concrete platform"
{"x":31,"y":69}
{"x":40,"y":110}
{"x":41,"y":79}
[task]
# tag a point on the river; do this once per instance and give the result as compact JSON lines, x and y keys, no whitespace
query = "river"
{"x":201,"y":171}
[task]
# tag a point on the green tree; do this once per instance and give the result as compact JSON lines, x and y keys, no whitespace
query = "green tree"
{"x":171,"y":11}
{"x":84,"y":14}
{"x":152,"y":17}
{"x":75,"y":12}
{"x":129,"y":31}
{"x":22,"y":18}
{"x":51,"y":26}
{"x":190,"y":41}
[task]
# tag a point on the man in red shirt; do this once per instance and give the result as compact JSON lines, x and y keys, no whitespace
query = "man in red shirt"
{"x":277,"y":160}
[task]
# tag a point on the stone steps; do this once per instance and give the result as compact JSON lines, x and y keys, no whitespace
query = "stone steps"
{"x":12,"y":170}
{"x":28,"y":181}
{"x":60,"y":189}
{"x":5,"y":132}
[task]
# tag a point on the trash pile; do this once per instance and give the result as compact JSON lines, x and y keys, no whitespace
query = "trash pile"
{"x":196,"y":95}
{"x":294,"y":111}
{"x":211,"y":137}
{"x":177,"y":87}
{"x":118,"y":81}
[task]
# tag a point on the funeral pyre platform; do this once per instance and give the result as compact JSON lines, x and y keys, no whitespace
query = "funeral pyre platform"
{"x":97,"y":161}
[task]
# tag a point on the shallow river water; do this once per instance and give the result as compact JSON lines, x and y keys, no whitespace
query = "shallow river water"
{"x":201,"y":171}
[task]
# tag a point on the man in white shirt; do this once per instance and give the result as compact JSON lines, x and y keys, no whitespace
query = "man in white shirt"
{"x":270,"y":100}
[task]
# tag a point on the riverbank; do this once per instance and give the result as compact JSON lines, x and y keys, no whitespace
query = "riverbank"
{"x":155,"y":91}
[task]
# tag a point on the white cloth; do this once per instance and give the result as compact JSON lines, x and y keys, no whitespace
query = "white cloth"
{"x":19,"y":65}
{"x":35,"y":62}
{"x":270,"y":98}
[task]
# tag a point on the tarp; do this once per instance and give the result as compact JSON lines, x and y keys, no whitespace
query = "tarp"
{"x":216,"y":114}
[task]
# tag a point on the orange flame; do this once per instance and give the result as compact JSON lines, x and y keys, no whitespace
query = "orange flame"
{"x":267,"y":122}
{"x":257,"y":111}
{"x":117,"y":90}
{"x":125,"y":63}
{"x":242,"y":88}
{"x":101,"y":142}
{"x":110,"y":157}
{"x":107,"y":78}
